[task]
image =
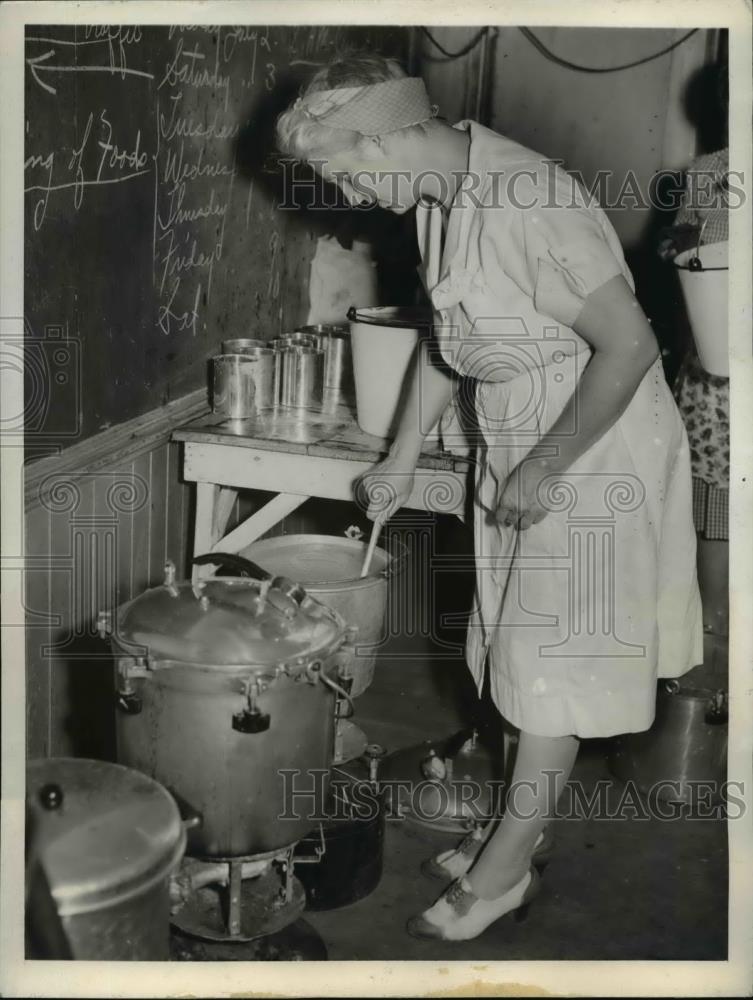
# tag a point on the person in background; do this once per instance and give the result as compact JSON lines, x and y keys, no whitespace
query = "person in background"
{"x":534,"y":303}
{"x":703,"y":398}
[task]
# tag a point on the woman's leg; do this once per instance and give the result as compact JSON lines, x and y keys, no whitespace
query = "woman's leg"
{"x":713,"y":573}
{"x":533,"y":795}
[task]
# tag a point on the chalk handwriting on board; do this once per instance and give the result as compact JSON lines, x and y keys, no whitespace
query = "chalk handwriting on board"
{"x":177,"y":125}
{"x":168,"y":320}
{"x":188,"y":68}
{"x":193,"y":249}
{"x":115,"y":164}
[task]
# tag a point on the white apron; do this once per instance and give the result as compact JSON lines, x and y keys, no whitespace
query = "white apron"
{"x":579,"y":614}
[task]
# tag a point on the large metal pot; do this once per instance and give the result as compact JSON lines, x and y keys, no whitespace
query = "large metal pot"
{"x":330,"y":569}
{"x":223,"y":687}
{"x":686,"y":745}
{"x":103,"y":842}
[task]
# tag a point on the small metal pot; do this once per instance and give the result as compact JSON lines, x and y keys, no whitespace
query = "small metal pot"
{"x":353,"y":840}
{"x":105,"y":840}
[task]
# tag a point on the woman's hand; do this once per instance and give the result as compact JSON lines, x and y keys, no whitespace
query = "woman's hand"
{"x":519,"y":504}
{"x":673,"y":240}
{"x":386,"y":487}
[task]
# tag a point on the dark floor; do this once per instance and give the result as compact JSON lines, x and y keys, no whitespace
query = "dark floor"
{"x":615,"y":889}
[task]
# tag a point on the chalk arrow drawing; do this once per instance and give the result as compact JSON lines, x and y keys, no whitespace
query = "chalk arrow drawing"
{"x":36,"y":66}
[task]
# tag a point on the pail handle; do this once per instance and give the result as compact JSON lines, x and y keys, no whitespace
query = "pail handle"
{"x":695,"y":263}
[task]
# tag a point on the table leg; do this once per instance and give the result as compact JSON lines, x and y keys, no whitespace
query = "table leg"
{"x":213,"y":506}
{"x":223,"y":506}
{"x":203,"y":534}
{"x":260,"y":521}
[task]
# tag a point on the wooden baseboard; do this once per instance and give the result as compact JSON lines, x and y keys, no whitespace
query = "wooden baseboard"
{"x":114,"y":446}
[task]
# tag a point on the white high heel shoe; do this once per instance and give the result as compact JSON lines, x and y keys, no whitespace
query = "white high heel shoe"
{"x":457,"y":861}
{"x":460,"y":915}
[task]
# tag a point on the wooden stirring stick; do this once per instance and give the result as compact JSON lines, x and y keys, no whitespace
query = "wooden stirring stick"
{"x":375,"y":529}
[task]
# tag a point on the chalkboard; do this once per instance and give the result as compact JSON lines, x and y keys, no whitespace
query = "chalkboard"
{"x":153,"y":227}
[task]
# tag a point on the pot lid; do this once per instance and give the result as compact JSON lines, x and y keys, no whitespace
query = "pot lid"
{"x":450,"y":785}
{"x":101,"y":831}
{"x":230,"y":622}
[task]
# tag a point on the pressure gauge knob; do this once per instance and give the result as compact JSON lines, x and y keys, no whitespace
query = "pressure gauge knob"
{"x":51,"y":796}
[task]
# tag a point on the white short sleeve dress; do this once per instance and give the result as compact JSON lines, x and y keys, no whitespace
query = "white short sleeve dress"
{"x":580,"y":614}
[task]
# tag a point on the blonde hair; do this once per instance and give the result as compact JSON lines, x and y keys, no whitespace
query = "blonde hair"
{"x":303,"y":138}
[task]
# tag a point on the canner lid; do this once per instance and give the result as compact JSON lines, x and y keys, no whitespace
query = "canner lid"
{"x":233,"y":622}
{"x":101,"y":831}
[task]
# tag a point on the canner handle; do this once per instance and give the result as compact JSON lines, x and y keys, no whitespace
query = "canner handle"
{"x":245,"y":567}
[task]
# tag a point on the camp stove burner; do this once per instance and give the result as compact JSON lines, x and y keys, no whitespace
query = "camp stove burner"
{"x":237,"y":900}
{"x":298,"y":942}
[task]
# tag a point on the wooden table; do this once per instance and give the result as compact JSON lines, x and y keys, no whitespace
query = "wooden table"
{"x":295,"y":455}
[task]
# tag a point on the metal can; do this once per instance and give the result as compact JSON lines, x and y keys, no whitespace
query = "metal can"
{"x":241,"y":345}
{"x":334,"y":340}
{"x":286,"y":340}
{"x":234,"y":385}
{"x":302,"y":383}
{"x":263,"y":374}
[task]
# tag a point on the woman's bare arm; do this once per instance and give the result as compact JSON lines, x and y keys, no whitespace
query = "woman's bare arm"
{"x":429,"y":394}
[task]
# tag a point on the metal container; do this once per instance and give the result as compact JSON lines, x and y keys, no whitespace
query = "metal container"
{"x":334,"y":340}
{"x":384,"y":341}
{"x":351,"y":866}
{"x":107,"y":840}
{"x":241,"y":345}
{"x":302,"y":382}
{"x":704,"y":280}
{"x":687,"y":743}
{"x":451,"y":785}
{"x":263,"y":371}
{"x":223,"y":686}
{"x":286,"y":340}
{"x":234,"y":386}
{"x":330,"y":569}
